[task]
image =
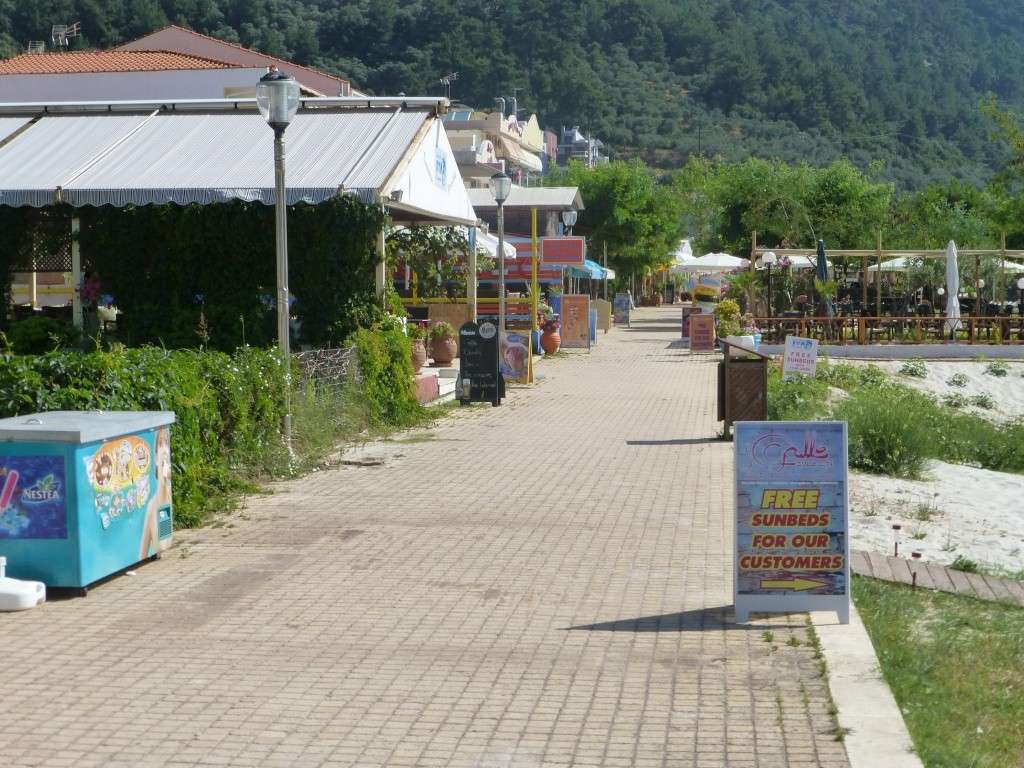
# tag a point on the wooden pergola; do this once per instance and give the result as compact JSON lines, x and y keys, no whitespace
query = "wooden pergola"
{"x":879,"y":254}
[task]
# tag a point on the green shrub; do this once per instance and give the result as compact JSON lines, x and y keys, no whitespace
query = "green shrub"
{"x":915,"y":368}
{"x":228,"y":407}
{"x":997,"y":368}
{"x":727,"y":313}
{"x":385,"y":363}
{"x":851,"y":377}
{"x":36,"y":335}
{"x":887,"y":431}
{"x":956,"y":400}
{"x":964,"y":564}
{"x":983,"y":401}
{"x":800,"y":398}
{"x":442,"y":330}
{"x":957,"y":380}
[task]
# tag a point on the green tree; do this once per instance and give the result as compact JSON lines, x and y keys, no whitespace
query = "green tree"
{"x":627,"y":210}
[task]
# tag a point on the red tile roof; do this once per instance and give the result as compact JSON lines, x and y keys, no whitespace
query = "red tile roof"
{"x":76,"y":62}
{"x":177,"y":38}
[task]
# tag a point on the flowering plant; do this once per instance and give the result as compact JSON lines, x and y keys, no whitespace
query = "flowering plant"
{"x":551,"y":324}
{"x":90,"y":290}
{"x":784,"y":262}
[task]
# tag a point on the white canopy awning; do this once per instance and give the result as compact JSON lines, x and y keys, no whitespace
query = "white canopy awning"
{"x":221,"y":150}
{"x":807,"y":262}
{"x":901,"y":264}
{"x":714,"y":262}
{"x":489,"y":243}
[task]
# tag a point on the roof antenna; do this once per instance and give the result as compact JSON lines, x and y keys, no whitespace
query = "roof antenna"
{"x":447,"y":81}
{"x":61,"y":33}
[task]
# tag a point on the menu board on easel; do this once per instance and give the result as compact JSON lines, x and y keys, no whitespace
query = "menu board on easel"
{"x":702,"y":333}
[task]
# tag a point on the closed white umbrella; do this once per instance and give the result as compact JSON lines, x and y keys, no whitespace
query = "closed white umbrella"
{"x":952,"y":289}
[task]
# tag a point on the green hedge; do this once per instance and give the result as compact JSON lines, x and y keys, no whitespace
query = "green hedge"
{"x":228,"y":407}
{"x":385,"y":364}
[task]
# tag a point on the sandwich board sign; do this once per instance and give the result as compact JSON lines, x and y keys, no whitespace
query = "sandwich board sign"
{"x":800,"y":356}
{"x":792,"y":518}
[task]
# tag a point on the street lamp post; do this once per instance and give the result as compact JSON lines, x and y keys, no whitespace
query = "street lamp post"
{"x":769,"y":260}
{"x":277,"y":96}
{"x":569,"y":220}
{"x":501,"y":187}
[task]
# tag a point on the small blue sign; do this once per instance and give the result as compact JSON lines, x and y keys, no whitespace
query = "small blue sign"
{"x":32,"y":497}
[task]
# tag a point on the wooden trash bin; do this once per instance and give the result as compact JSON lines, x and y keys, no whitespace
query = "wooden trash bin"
{"x":742,"y":385}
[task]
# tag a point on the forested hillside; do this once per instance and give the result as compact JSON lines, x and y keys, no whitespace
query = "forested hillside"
{"x":896,"y":82}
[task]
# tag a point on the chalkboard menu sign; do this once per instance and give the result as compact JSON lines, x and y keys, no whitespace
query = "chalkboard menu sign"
{"x":479,"y":379}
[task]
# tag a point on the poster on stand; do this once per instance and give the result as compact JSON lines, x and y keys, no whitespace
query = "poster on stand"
{"x":792,"y":548}
{"x":684,"y":328}
{"x":622,"y":306}
{"x":800,"y":357}
{"x":575,"y":321}
{"x":604,"y":314}
{"x":514,"y":356}
{"x":702,"y":333}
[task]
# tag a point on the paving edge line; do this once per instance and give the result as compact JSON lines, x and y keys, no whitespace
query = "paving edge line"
{"x":876,"y":735}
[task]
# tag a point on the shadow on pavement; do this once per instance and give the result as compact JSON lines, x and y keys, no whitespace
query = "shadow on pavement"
{"x":677,"y":441}
{"x":697,"y":620}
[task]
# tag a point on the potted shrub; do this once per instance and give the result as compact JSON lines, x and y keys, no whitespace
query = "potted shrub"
{"x":727,"y":315}
{"x":418,"y":341}
{"x":550,"y":338}
{"x":442,"y":343}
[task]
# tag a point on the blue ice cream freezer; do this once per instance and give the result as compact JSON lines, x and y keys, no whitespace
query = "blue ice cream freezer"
{"x":84,"y":494}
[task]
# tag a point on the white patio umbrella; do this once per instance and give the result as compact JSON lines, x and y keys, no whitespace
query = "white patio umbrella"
{"x":802,"y":262}
{"x":902,"y":264}
{"x":684,"y":253}
{"x":952,"y":289}
{"x":715,"y":262}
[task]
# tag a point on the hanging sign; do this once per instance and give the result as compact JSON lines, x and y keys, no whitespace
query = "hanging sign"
{"x":801,"y":357}
{"x":792,"y":531}
{"x":563,"y":251}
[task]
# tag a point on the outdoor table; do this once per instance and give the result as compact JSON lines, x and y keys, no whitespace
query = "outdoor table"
{"x":84,"y":494}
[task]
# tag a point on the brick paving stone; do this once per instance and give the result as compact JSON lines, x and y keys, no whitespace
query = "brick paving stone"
{"x":548,"y":583}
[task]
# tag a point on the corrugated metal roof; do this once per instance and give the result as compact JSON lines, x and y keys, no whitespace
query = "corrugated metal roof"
{"x":9,"y":125}
{"x":217,"y":157}
{"x":80,"y":62}
{"x":49,"y":153}
{"x":184,"y":158}
{"x":530,"y":197}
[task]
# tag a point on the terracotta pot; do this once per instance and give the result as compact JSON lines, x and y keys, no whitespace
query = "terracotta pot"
{"x":419,"y":354}
{"x":550,"y":341}
{"x":443,"y":351}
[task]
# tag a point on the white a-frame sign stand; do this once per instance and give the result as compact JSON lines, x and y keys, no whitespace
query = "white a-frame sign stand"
{"x":792,"y":521}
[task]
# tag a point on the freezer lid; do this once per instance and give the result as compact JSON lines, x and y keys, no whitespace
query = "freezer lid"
{"x":79,"y":426}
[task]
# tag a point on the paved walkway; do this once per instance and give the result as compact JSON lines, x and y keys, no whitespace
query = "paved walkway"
{"x":541,"y":584}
